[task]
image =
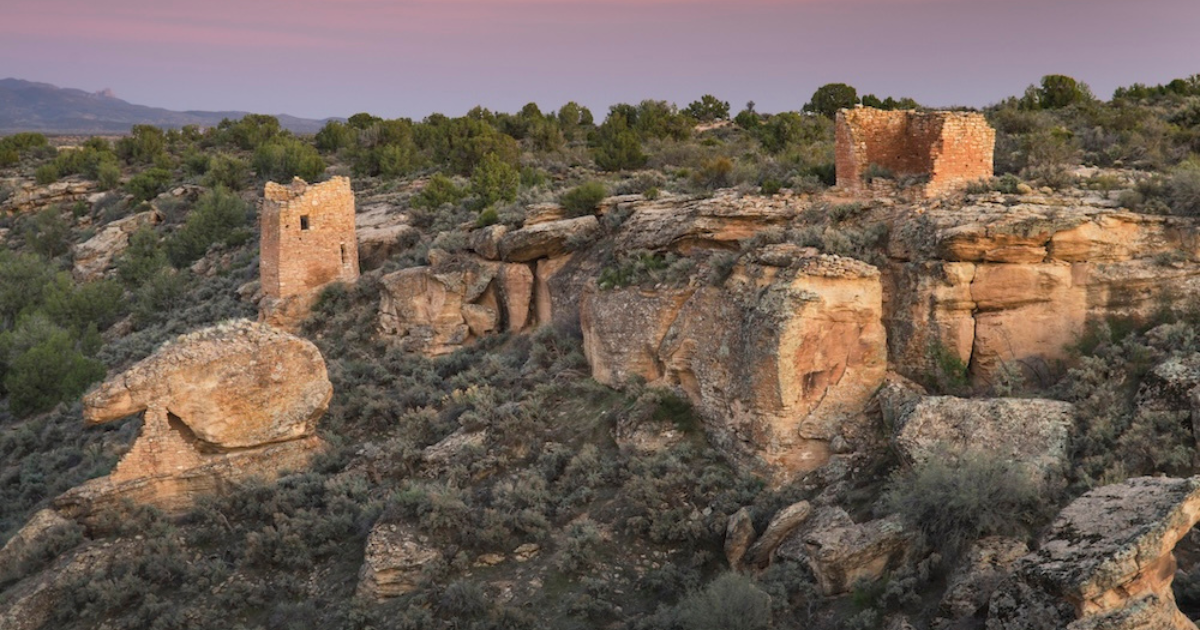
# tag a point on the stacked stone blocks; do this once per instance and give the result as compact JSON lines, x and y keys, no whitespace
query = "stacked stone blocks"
{"x":951,"y":148}
{"x":308,"y":237}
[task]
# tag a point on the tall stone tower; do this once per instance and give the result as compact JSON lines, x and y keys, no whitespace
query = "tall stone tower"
{"x":308,"y":241}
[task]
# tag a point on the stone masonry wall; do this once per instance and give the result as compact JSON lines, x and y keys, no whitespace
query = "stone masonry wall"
{"x":308,"y":237}
{"x":952,"y":148}
{"x":161,"y":449}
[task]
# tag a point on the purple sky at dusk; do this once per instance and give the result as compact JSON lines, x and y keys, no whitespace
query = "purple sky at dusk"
{"x":318,"y":58}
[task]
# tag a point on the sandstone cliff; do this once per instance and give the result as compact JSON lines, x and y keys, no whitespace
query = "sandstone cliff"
{"x":996,"y":284}
{"x":776,"y":358}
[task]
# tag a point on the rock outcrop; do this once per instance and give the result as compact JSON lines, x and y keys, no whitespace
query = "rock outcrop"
{"x":841,"y":552}
{"x":985,"y":565}
{"x":685,"y":224}
{"x":220,"y":405}
{"x":1106,"y":562}
{"x":1030,"y":432}
{"x":95,"y":256}
{"x":28,"y":196}
{"x":455,"y":301}
{"x":781,"y":526}
{"x":31,"y":604}
{"x":547,"y":240}
{"x":394,"y":559}
{"x":382,"y":232}
{"x":776,"y":359}
{"x":1000,"y":285}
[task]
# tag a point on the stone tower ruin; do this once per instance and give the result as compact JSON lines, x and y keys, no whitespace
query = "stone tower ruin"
{"x":308,"y":241}
{"x":951,"y":148}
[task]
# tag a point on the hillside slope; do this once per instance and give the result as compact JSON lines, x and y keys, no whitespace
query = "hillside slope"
{"x":30,"y":106}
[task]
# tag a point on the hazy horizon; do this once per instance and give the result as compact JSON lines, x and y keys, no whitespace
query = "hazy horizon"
{"x":412,"y":58}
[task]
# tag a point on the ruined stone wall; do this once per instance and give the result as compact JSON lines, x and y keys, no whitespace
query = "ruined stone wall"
{"x":308,"y":237}
{"x":952,"y":148}
{"x":966,"y":152}
{"x":161,"y":449}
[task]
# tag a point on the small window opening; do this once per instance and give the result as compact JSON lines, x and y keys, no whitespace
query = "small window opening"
{"x":304,"y":222}
{"x":343,"y":253}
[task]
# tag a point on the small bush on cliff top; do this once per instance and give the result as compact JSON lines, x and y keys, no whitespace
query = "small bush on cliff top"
{"x":583,"y":199}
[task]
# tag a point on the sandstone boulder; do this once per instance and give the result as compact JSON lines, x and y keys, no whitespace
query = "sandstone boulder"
{"x":45,"y":523}
{"x":687,"y":223}
{"x":486,"y":242}
{"x":781,"y":526}
{"x":546,"y":240}
{"x":395,"y":557}
{"x":1030,"y":432}
{"x":221,"y":405}
{"x":427,"y":310}
{"x":232,"y":386}
{"x":1107,"y":561}
{"x":517,"y":292}
{"x":841,"y":552}
{"x":776,"y":360}
{"x":95,"y":256}
{"x":31,"y":604}
{"x":739,"y":535}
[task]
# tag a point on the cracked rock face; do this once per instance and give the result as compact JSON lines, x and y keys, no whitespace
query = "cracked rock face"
{"x":999,"y":286}
{"x":457,"y":300}
{"x":776,"y":359}
{"x":1106,"y":562}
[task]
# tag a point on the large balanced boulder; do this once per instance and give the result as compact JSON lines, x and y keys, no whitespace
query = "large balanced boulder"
{"x":220,"y":405}
{"x":233,"y":386}
{"x":777,"y":359}
{"x":1107,"y":562}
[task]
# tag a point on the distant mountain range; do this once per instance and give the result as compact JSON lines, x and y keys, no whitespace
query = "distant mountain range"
{"x":29,"y":106}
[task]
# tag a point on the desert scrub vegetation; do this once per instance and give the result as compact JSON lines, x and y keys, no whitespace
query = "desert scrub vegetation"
{"x":1116,"y":436}
{"x":646,"y":269}
{"x":583,"y":199}
{"x":951,"y":502}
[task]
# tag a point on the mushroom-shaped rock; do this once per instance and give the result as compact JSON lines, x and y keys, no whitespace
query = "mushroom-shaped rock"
{"x":1106,"y":562}
{"x":235,"y":385}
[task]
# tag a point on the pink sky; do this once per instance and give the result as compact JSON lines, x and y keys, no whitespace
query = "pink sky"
{"x":320,"y":58}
